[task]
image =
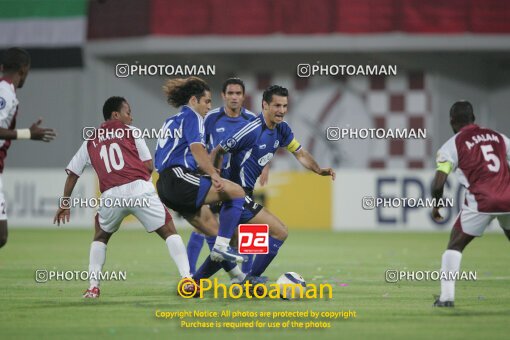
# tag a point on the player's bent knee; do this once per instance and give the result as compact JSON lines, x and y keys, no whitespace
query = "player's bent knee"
{"x":284,"y":233}
{"x":279,"y":232}
{"x":235,"y":190}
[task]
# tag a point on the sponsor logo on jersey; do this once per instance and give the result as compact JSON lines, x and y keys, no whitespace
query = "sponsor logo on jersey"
{"x":2,"y":103}
{"x":221,"y":129}
{"x":276,"y":144}
{"x":262,"y":147}
{"x":265,"y":159}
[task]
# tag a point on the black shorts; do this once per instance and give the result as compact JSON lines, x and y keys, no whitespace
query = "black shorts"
{"x":250,"y":207}
{"x":183,"y":190}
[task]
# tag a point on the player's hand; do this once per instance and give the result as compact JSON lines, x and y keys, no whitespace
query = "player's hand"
{"x":264,"y":176}
{"x":328,"y":172}
{"x":436,"y":215}
{"x":62,"y":215}
{"x":40,"y":133}
{"x":217,"y":182}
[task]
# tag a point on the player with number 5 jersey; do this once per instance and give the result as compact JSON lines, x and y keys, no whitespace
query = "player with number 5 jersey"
{"x":123,"y":165}
{"x":479,"y":157}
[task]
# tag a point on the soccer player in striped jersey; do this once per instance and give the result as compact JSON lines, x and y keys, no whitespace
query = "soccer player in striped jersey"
{"x":220,"y":123}
{"x":251,"y":148}
{"x":188,"y":181}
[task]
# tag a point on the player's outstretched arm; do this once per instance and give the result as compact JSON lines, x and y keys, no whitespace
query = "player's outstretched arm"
{"x":40,"y":133}
{"x":8,"y":134}
{"x":306,"y":160}
{"x":35,"y":132}
{"x":437,"y":192}
{"x":202,"y":158}
{"x":64,"y":212}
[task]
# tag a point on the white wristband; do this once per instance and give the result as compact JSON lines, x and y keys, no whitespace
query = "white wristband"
{"x":23,"y":134}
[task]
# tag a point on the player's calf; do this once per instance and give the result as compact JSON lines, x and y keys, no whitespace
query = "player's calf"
{"x":277,"y":235}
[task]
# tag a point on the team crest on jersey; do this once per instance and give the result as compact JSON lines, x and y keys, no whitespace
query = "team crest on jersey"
{"x":231,"y":142}
{"x":2,"y":103}
{"x":276,"y":144}
{"x":221,"y":129}
{"x":262,"y":147}
{"x":265,"y":159}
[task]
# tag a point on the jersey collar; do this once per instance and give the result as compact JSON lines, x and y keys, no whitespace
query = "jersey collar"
{"x":263,"y":119}
{"x":186,"y":107}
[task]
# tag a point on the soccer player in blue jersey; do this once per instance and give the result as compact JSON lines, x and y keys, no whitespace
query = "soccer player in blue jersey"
{"x":220,"y":123}
{"x":181,"y":160}
{"x":251,"y":148}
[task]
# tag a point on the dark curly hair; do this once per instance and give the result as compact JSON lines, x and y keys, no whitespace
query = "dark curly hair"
{"x":179,"y":91}
{"x":461,"y":112}
{"x":112,"y":104}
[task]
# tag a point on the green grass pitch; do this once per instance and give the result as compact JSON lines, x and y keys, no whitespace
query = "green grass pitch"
{"x":354,"y":263}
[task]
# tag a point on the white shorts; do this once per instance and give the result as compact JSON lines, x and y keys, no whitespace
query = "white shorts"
{"x":153,"y":215}
{"x":474,"y":223}
{"x":3,"y":207}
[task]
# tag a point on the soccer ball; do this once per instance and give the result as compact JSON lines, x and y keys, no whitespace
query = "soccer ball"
{"x":292,"y":286}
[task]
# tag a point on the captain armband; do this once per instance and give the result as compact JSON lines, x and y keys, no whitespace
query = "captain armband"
{"x":294,"y":146}
{"x":445,"y":167}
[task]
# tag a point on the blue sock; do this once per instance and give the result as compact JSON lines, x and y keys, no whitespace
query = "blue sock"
{"x":228,"y":266}
{"x":247,"y":265}
{"x":207,"y":269}
{"x":262,"y":261}
{"x":229,"y":217}
{"x":194,"y":247}
{"x":210,"y":241}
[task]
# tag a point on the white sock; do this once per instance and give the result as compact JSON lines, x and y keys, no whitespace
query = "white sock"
{"x":178,"y":253}
{"x":221,"y":242}
{"x":236,"y":274}
{"x":449,"y":263}
{"x":96,"y":261}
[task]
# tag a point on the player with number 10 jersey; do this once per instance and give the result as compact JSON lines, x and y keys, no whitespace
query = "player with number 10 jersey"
{"x":123,"y":165}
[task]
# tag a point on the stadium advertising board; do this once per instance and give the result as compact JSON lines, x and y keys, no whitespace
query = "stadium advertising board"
{"x":391,"y":200}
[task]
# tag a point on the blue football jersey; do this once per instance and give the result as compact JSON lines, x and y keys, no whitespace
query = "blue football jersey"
{"x":179,"y":132}
{"x":253,"y":146}
{"x":219,"y":126}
